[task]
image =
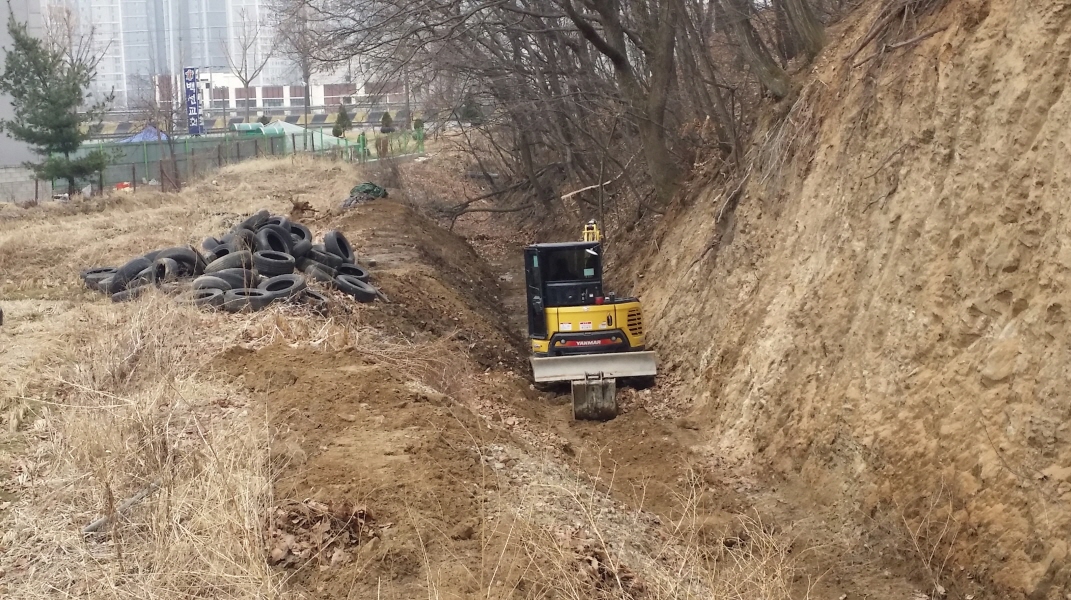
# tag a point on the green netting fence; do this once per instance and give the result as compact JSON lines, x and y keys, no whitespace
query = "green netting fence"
{"x":169,"y":164}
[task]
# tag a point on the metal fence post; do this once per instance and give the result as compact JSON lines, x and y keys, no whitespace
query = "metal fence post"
{"x":134,"y":177}
{"x":293,"y":143}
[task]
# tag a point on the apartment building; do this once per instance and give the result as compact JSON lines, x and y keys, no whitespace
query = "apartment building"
{"x":139,"y":40}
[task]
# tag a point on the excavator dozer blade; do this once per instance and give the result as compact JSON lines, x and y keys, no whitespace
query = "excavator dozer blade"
{"x":582,"y":366}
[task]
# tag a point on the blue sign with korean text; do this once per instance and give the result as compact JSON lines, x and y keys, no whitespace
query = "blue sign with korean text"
{"x":194,"y":114}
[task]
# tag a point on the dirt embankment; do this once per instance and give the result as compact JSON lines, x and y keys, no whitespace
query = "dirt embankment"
{"x":883,"y":321}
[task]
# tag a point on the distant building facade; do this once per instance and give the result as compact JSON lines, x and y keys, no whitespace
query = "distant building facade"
{"x":16,"y":182}
{"x":139,"y":40}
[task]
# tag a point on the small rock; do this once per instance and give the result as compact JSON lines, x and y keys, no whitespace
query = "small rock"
{"x":348,"y":418}
{"x":278,"y":554}
{"x":463,"y":532}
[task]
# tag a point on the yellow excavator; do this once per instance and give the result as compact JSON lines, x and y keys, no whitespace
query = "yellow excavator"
{"x":578,"y":333}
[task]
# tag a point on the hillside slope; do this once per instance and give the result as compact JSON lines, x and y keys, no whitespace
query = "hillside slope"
{"x":883,"y":319}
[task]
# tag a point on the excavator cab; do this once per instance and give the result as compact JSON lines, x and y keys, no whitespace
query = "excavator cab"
{"x":579,"y":333}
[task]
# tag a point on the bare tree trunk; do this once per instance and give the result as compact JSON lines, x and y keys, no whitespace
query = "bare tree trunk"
{"x":808,"y":28}
{"x":660,"y":161}
{"x":787,"y":45}
{"x":650,"y":102}
{"x":770,"y":74}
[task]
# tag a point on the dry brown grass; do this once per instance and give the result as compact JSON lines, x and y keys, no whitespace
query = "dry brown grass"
{"x":100,"y":400}
{"x":122,"y":411}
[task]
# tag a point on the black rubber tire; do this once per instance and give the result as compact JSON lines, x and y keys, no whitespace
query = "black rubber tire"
{"x":126,"y":274}
{"x":321,"y":273}
{"x":151,"y":256}
{"x":234,"y":260}
{"x":253,"y":222}
{"x":191,"y":263}
{"x":92,"y":277}
{"x":212,"y":282}
{"x":302,"y":239}
{"x":283,"y":286}
{"x":130,"y":293}
{"x":301,"y":247}
{"x":143,"y":278}
{"x":337,"y":244}
{"x":164,"y":270}
{"x":210,"y":243}
{"x":302,"y":264}
{"x":356,"y":271}
{"x":105,"y":284}
{"x":324,"y":258}
{"x":212,"y":297}
{"x":273,"y":238}
{"x":238,"y":278}
{"x":225,"y":249}
{"x":356,"y":288}
{"x":245,"y":298}
{"x":277,"y":220}
{"x":270,"y":264}
{"x":240,"y":238}
{"x":173,"y":288}
{"x":219,"y":252}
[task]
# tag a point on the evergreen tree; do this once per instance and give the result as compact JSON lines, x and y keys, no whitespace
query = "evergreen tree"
{"x":344,"y":120}
{"x":386,"y":123}
{"x":47,"y":88}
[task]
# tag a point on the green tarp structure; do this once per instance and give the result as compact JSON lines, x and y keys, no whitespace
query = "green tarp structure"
{"x":369,"y":189}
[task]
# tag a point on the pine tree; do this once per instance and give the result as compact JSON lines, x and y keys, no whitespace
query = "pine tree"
{"x":386,"y":123}
{"x":47,"y":88}
{"x":343,"y":119}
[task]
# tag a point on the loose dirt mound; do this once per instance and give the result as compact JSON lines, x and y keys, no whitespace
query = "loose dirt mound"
{"x":883,"y":321}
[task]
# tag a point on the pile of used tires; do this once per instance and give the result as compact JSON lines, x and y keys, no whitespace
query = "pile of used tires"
{"x":264,"y":259}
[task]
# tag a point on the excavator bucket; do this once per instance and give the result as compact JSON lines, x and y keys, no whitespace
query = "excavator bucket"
{"x":595,"y":399}
{"x":582,"y":366}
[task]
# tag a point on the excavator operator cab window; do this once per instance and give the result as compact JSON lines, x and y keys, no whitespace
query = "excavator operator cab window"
{"x":572,"y":264}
